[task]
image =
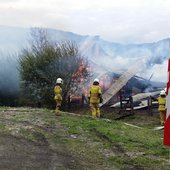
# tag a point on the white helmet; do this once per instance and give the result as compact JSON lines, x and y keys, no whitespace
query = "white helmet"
{"x":59,"y":80}
{"x":162,"y":92}
{"x":165,"y":89}
{"x":96,"y":80}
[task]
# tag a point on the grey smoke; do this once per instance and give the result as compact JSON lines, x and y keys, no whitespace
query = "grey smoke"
{"x":108,"y":56}
{"x":9,"y":75}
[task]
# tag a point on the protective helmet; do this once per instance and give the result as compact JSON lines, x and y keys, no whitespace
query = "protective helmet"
{"x":162,"y":92}
{"x":96,"y":80}
{"x":165,"y":89}
{"x":59,"y":81}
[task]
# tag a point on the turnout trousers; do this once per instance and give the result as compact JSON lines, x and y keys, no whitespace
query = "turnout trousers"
{"x":95,"y":110}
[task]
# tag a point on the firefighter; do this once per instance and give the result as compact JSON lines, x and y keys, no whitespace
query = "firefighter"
{"x":162,"y":108}
{"x":95,"y":97}
{"x":58,"y":95}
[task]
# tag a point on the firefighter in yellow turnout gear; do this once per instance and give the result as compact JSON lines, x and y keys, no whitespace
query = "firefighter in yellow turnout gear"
{"x":58,"y":95}
{"x":95,"y":97}
{"x":162,"y":108}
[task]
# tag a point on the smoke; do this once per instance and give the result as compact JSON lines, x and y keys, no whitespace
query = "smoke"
{"x":9,"y":77}
{"x":106,"y":56}
{"x":159,"y":72}
{"x":150,"y":57}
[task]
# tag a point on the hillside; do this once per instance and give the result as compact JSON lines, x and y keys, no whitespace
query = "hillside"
{"x":36,"y":139}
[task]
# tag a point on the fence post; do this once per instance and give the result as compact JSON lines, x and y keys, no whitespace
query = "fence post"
{"x":82,"y":100}
{"x":69,"y":102}
{"x":131,"y":105}
{"x":121,"y":104}
{"x":150,"y":106}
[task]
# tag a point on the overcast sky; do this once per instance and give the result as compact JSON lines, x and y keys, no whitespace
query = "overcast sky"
{"x":125,"y":21}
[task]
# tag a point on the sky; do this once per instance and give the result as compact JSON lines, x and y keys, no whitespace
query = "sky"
{"x":123,"y":21}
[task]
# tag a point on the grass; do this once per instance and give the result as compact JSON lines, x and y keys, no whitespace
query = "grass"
{"x":95,"y":143}
{"x":127,"y":139}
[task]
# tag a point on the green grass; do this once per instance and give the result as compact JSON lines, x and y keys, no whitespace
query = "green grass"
{"x":95,"y":143}
{"x":126,"y":138}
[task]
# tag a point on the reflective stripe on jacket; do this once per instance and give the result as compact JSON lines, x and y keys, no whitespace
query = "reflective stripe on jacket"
{"x":94,"y":94}
{"x":162,"y":102}
{"x":58,"y":92}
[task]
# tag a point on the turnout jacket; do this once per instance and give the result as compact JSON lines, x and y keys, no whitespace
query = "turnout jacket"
{"x":95,"y":94}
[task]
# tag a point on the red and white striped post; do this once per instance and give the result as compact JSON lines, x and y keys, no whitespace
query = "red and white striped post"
{"x":167,"y":122}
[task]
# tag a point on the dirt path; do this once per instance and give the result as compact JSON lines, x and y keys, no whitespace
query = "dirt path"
{"x":25,"y":145}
